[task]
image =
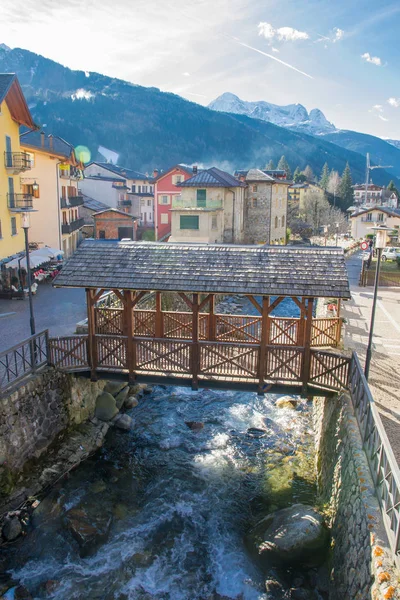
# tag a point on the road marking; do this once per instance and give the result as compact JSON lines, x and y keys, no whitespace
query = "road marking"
{"x":7,"y":314}
{"x":389,"y":316}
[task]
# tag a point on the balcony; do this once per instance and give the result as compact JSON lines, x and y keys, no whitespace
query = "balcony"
{"x":64,"y":203}
{"x":73,"y":226}
{"x":373,"y":221}
{"x":75,"y":200}
{"x":192,"y":204}
{"x":16,"y":162}
{"x":75,"y":173}
{"x":19,"y":202}
{"x":124,"y":203}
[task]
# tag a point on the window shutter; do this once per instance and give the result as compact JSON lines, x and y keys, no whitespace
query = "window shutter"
{"x":189,"y":222}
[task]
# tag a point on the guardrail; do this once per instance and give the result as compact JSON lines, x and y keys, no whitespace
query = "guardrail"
{"x":382,"y":463}
{"x":23,"y":359}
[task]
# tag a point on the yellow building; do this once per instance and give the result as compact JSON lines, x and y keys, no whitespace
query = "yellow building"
{"x":14,"y":112}
{"x":299,"y":191}
{"x":55,"y":174}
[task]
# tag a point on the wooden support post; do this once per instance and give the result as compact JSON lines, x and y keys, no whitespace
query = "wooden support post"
{"x":159,"y":317}
{"x":307,"y":345}
{"x":92,"y":345}
{"x":195,"y":342}
{"x":265,"y":326}
{"x":339,"y":324}
{"x":129,"y":332}
{"x":211,"y":319}
{"x":302,"y":323}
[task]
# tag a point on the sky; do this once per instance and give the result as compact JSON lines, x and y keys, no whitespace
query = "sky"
{"x":341,"y":56}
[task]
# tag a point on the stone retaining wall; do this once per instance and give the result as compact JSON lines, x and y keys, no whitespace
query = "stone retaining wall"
{"x":32,"y":416}
{"x":361,"y":564}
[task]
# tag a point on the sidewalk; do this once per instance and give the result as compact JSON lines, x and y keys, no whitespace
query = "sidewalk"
{"x":384,"y":379}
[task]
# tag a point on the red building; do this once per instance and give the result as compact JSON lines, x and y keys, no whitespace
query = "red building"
{"x":165,"y":194}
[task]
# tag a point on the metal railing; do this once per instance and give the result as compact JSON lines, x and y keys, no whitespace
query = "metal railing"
{"x":382,"y":462}
{"x":75,"y":200}
{"x":23,"y":359}
{"x":17,"y":161}
{"x":73,"y":226}
{"x":20,"y":202}
{"x":179,"y":202}
{"x":122,"y":203}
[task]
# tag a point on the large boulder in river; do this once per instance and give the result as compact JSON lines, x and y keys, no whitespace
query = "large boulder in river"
{"x":286,"y":402}
{"x":89,"y":528}
{"x":106,"y":407}
{"x":121,"y":397}
{"x":114,"y":387}
{"x":124,"y":422}
{"x":12,"y":528}
{"x":292,"y":535}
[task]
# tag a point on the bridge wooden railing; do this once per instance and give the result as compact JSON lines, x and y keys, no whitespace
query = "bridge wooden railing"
{"x":205,"y":360}
{"x":23,"y":359}
{"x":282,"y":331}
{"x":382,"y":462}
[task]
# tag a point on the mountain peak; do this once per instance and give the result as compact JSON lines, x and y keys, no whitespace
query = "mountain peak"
{"x":4,"y":47}
{"x":293,"y":116}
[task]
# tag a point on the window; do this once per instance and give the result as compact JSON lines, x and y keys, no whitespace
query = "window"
{"x":63,"y":192}
{"x":64,"y":218}
{"x":189,"y":222}
{"x":9,"y":160}
{"x":369,"y":217}
{"x":142,"y":202}
{"x":27,"y":188}
{"x":164,"y":200}
{"x":253,"y":188}
{"x":102,"y":234}
{"x":13,"y":226}
{"x":11,"y":197}
{"x":254,"y":202}
{"x":214,"y":222}
{"x":133,"y":189}
{"x":164,"y":218}
{"x":177,"y":179}
{"x":380,"y":217}
{"x":139,"y":188}
{"x":144,"y":189}
{"x":150,"y":218}
{"x":283,"y":221}
{"x":201,"y":198}
{"x":276,"y":222}
{"x":151,"y":189}
{"x":149,"y":202}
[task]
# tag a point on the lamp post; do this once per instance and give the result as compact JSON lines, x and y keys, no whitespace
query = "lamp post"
{"x":380,"y":244}
{"x":336,"y":232}
{"x":325,"y":232}
{"x":25,"y":227}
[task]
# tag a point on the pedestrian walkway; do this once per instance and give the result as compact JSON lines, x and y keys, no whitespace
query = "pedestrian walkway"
{"x":384,"y":379}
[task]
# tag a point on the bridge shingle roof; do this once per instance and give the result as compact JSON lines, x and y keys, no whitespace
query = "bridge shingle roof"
{"x":207,"y":268}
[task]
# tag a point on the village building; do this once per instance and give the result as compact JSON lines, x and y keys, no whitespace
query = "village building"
{"x":121,"y":188}
{"x":113,"y":224}
{"x":165,"y":190}
{"x":376,"y":196}
{"x":298,"y":192}
{"x":363,"y":219}
{"x":53,"y":180}
{"x":14,"y":200}
{"x":209,"y":209}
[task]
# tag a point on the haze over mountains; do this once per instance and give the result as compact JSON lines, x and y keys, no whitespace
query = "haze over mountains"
{"x":149,"y":128}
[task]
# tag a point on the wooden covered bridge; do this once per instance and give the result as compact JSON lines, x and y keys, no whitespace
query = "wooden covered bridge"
{"x":196,"y":345}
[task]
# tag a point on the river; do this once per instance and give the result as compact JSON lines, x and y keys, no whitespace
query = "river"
{"x":181,"y":501}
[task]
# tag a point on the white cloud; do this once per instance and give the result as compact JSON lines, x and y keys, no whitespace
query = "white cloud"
{"x":378,"y":107}
{"x":186,"y":74}
{"x":395,"y":102}
{"x":375,"y":60}
{"x":383,"y":118}
{"x":338,"y":34}
{"x":282,"y":34}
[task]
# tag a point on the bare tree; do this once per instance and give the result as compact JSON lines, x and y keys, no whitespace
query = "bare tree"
{"x":334,"y":185}
{"x":309,"y":174}
{"x":315,"y":211}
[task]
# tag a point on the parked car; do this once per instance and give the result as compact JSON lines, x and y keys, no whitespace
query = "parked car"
{"x":390,"y":253}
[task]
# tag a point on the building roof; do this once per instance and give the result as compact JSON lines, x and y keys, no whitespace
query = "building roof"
{"x":52,"y":144}
{"x":122,"y":171}
{"x":258,"y":175}
{"x":212,"y":178}
{"x":207,"y":268}
{"x":186,"y":168}
{"x":93,"y":204}
{"x":103,"y":178}
{"x":114,"y":210}
{"x":11,"y":92}
{"x":391,"y":212}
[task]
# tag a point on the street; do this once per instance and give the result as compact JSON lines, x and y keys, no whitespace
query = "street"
{"x":56,"y":309}
{"x":384,"y":379}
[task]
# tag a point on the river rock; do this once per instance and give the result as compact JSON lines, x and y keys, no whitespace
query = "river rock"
{"x":90,"y":530}
{"x":292,"y":535}
{"x":114,"y":387}
{"x":106,"y":407}
{"x":286,"y":402}
{"x":194,"y":425}
{"x":12,"y":528}
{"x":131,"y":402}
{"x":124,"y":422}
{"x":256,"y":432}
{"x":274,"y":589}
{"x":121,"y":397}
{"x":21,"y":593}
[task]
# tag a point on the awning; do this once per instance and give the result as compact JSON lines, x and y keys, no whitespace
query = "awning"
{"x":50,"y":253}
{"x":36,"y":258}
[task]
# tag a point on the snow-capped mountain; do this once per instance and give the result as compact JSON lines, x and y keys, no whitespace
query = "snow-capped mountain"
{"x":395,"y":143}
{"x":293,"y":116}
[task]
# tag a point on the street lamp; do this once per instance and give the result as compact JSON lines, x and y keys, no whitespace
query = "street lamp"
{"x":336,"y":234}
{"x":25,"y":227}
{"x":380,"y":243}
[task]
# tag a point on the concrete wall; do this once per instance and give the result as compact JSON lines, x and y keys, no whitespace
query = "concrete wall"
{"x":361,"y":566}
{"x":257,"y":214}
{"x":33,"y":415}
{"x":279,"y":214}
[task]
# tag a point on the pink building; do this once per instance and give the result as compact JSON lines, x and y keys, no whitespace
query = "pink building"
{"x":166,"y":193}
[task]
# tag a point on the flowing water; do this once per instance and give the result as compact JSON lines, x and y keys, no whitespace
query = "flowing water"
{"x":182,"y":501}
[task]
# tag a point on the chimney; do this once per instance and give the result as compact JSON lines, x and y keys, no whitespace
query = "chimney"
{"x":42,"y":138}
{"x":242,"y":177}
{"x":194,"y":169}
{"x":51,"y":142}
{"x":155,"y":173}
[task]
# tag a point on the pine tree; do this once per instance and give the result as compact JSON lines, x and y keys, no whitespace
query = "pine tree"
{"x":323,"y":182}
{"x":392,"y":188}
{"x":308,"y":172}
{"x":298,"y":176}
{"x":346,"y":189}
{"x":284,"y":166}
{"x":270,"y":166}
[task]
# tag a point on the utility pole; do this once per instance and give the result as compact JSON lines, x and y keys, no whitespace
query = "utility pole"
{"x":369,"y":168}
